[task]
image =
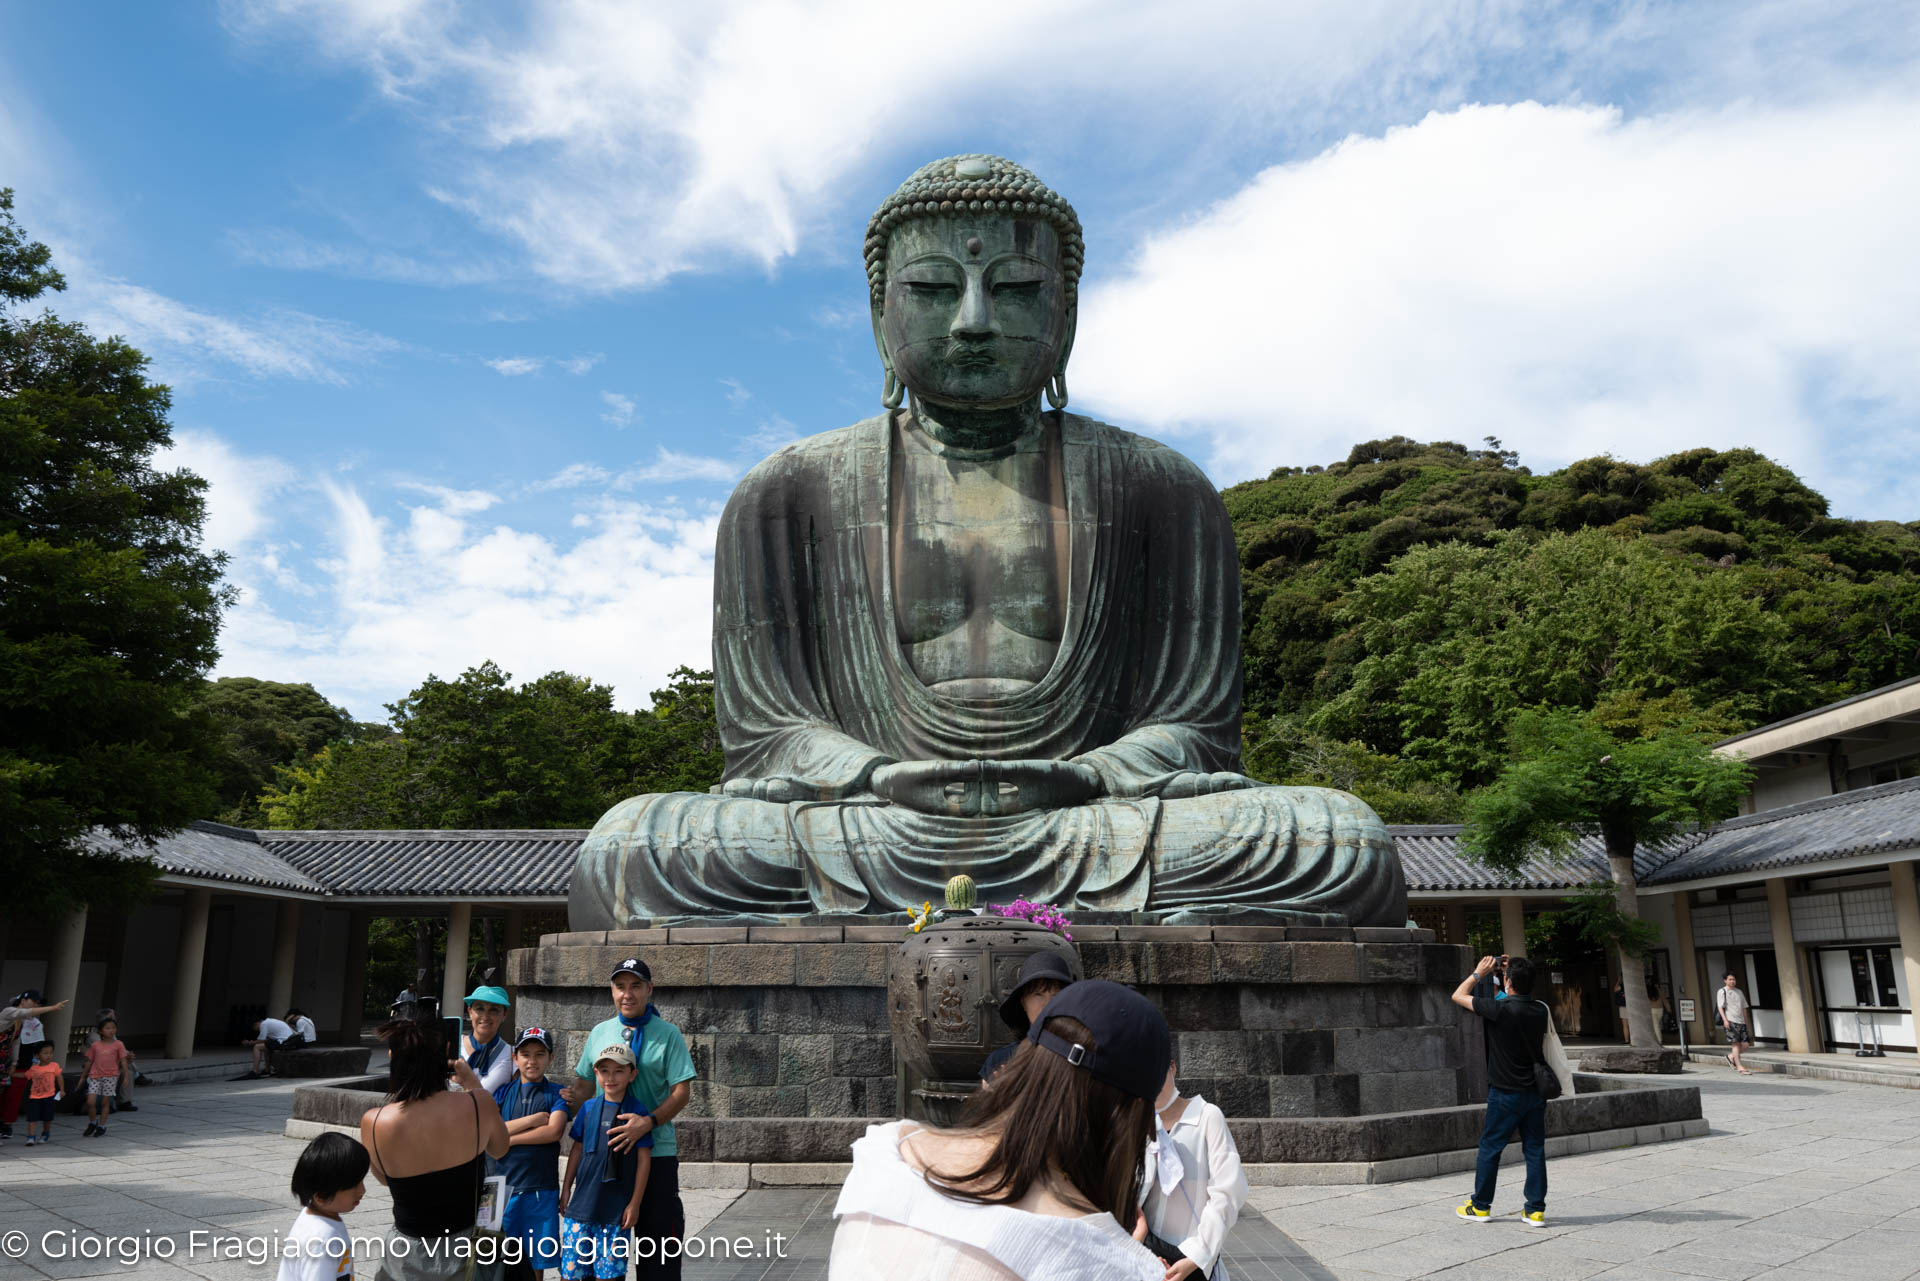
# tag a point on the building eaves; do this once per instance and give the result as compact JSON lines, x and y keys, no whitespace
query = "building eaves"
{"x":213,"y":851}
{"x":1865,"y":821}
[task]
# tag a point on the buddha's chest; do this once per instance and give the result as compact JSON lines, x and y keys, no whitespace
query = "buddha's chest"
{"x":979,"y":564}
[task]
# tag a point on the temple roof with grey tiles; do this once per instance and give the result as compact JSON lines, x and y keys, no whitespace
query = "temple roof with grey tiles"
{"x":464,"y":865}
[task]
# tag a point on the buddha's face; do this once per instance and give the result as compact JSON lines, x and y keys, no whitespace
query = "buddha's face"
{"x":975,"y":310}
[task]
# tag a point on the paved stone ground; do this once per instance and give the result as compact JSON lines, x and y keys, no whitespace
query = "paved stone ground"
{"x":1799,"y":1179}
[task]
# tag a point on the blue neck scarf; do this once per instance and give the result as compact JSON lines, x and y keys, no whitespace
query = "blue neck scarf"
{"x":482,"y":1056}
{"x":637,"y":1030}
{"x":605,"y":1114}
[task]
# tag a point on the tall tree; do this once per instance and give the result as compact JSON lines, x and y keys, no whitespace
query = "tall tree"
{"x":1575,"y":775}
{"x":109,"y":607}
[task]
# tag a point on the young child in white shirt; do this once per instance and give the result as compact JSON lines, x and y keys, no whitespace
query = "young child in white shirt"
{"x":328,"y":1180}
{"x":1194,"y":1187}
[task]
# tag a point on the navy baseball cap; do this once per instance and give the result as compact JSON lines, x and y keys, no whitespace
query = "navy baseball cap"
{"x":1134,"y":1045}
{"x":632,"y":965}
{"x":537,"y":1034}
{"x":1040,"y":965}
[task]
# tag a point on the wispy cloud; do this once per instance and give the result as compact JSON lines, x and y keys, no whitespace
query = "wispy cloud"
{"x":670,"y":465}
{"x":516,"y":366}
{"x":577,"y":365}
{"x":188,"y":343}
{"x":572,"y":476}
{"x":619,"y":409}
{"x":737,"y":393}
{"x":288,"y":250}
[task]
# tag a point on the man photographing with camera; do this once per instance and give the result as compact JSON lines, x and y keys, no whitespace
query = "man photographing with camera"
{"x":1516,"y":1028}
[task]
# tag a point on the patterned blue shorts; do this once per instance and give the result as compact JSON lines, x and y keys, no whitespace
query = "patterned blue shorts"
{"x":594,"y":1250}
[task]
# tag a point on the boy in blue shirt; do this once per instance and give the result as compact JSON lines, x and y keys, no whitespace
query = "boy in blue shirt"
{"x":535,"y":1110}
{"x":600,"y":1197}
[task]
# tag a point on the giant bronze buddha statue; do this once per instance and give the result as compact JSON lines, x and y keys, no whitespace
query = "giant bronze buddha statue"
{"x":976,"y":635}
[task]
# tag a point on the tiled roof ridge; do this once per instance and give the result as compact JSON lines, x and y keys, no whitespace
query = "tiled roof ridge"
{"x":227,"y":830}
{"x":278,"y":835}
{"x":1839,"y":800}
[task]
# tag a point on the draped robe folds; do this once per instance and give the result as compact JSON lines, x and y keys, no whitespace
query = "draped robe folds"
{"x":812,"y":685}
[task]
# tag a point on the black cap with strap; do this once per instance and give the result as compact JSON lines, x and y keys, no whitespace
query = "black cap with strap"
{"x":1133,"y":1044}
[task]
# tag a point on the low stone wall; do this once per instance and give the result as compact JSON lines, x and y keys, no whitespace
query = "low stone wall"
{"x":1269,"y":1021}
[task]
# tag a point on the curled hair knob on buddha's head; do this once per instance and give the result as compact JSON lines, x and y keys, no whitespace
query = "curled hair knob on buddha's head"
{"x":974,"y":184}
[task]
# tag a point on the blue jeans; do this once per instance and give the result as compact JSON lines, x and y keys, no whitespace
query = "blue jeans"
{"x":1508,"y":1110}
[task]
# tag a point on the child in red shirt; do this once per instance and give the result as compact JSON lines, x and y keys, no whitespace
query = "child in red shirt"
{"x":105,"y":1058}
{"x":43,"y":1086}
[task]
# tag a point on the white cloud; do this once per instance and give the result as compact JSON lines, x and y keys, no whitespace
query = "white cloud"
{"x":737,"y":393}
{"x":1569,"y":282}
{"x":515,"y":366}
{"x":577,"y":365}
{"x":404,"y":591}
{"x":290,"y":251}
{"x":241,"y":489}
{"x":670,"y":465}
{"x":619,"y":144}
{"x":619,"y":409}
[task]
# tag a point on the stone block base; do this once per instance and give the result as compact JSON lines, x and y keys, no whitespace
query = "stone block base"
{"x":324,"y":1061}
{"x":1625,"y":1058}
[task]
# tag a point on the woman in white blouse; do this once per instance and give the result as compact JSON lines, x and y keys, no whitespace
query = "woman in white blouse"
{"x":1043,"y":1171}
{"x":1194,"y":1185}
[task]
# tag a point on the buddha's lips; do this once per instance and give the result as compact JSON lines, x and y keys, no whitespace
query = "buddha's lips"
{"x":971,"y":353}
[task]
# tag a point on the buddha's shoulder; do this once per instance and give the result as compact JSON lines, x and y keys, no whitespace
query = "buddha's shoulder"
{"x":813,"y":455}
{"x":1140,"y":455}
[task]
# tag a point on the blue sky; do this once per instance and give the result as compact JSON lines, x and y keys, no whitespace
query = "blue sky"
{"x":473,"y":313}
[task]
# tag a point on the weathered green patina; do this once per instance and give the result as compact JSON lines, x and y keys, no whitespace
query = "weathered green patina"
{"x":973,"y":635}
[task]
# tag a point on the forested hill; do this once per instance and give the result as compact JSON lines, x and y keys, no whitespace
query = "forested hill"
{"x":1413,"y":596}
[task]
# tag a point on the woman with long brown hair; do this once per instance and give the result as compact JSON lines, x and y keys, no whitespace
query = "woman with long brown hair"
{"x":1040,"y":1181}
{"x":426,"y":1143}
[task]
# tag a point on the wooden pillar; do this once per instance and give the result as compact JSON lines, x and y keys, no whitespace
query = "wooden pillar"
{"x":453,"y":981}
{"x":1456,"y":918}
{"x":353,"y":991}
{"x":1906,"y":914}
{"x":286,"y":946}
{"x":516,"y":929}
{"x":63,"y":978}
{"x":1513,"y":926}
{"x":189,"y":964}
{"x":1686,"y":971}
{"x":1794,"y":1004}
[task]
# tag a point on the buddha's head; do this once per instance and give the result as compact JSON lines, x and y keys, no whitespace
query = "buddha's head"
{"x":974,"y":267}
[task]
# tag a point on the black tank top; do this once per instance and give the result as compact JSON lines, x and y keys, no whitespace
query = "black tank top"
{"x":439,"y":1202}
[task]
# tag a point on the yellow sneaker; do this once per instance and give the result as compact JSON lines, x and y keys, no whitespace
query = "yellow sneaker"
{"x":1472,"y":1213}
{"x":1534,"y":1218}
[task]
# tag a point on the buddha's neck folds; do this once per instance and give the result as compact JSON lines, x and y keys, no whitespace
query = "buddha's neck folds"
{"x":976,"y":430}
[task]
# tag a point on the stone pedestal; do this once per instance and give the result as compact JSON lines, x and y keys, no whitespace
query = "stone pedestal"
{"x":789,"y":1024}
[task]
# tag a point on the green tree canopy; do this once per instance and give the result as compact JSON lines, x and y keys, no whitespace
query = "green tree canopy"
{"x":481,"y":752}
{"x":264,"y":725}
{"x":109,"y":608}
{"x":1572,"y":775}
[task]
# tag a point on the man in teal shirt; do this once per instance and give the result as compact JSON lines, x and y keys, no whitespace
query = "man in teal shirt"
{"x":661,"y":1087}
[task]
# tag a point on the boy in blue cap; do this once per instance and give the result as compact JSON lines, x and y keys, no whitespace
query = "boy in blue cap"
{"x":535,"y":1110}
{"x":600,"y":1197}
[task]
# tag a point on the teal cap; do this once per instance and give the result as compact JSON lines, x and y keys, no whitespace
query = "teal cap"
{"x":490,"y":995}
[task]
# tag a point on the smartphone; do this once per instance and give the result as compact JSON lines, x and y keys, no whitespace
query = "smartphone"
{"x":450,"y":1030}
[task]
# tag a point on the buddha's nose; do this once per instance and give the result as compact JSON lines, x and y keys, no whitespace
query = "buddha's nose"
{"x":975,"y":318}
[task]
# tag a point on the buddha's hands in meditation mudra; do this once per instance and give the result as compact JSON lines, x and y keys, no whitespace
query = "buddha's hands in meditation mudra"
{"x":988,"y":789}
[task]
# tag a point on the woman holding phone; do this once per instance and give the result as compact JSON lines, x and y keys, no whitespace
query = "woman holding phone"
{"x":426,"y":1143}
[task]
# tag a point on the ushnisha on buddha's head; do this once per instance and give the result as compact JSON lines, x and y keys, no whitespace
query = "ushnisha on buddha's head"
{"x":973,"y":266}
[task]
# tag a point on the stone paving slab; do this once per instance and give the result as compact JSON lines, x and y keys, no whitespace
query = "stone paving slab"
{"x":1798,"y":1180}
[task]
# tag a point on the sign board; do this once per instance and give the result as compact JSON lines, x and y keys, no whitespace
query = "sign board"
{"x":1686,"y":1010}
{"x":1557,"y":977}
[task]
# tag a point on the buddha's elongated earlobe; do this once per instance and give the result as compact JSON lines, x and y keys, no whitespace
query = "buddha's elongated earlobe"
{"x":1057,"y":389}
{"x":891,"y":392}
